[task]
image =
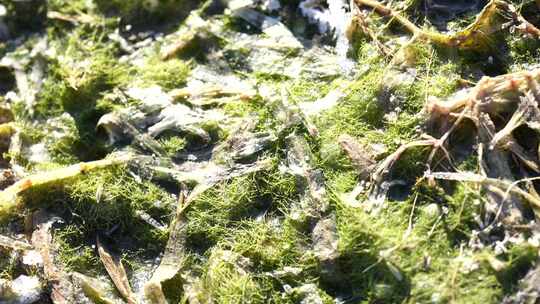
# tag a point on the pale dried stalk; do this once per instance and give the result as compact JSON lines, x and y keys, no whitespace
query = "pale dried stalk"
{"x":526,"y":114}
{"x":212,"y":94}
{"x":10,"y":198}
{"x":389,"y":161}
{"x":494,"y":87}
{"x":171,"y":262}
{"x":117,"y":272}
{"x":7,"y":242}
{"x":61,"y":286}
{"x":75,"y":19}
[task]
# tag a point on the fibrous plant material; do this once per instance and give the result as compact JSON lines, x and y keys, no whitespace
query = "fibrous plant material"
{"x":315,"y":201}
{"x":483,"y":105}
{"x":206,"y":175}
{"x":279,"y":36}
{"x":195,"y":26}
{"x":212,"y":94}
{"x":252,"y":128}
{"x":156,"y":115}
{"x":62,"y":288}
{"x":172,"y":261}
{"x":359,"y":22}
{"x":74,"y":19}
{"x":477,"y":36}
{"x":483,"y":180}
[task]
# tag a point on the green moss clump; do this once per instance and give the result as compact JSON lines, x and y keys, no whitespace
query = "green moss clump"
{"x":85,"y":72}
{"x":172,"y":144}
{"x":70,"y":6}
{"x":217,"y":213}
{"x":385,"y":263}
{"x":76,"y":251}
{"x":105,"y":202}
{"x":272,"y":248}
{"x":524,"y":52}
{"x":359,"y":111}
{"x":142,"y":12}
{"x":226,"y":279}
{"x":304,"y":90}
{"x":86,"y":68}
{"x":247,"y":219}
{"x":170,"y":74}
{"x":361,"y":239}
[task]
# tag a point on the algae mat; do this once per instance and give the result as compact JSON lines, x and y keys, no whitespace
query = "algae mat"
{"x":269,"y":151}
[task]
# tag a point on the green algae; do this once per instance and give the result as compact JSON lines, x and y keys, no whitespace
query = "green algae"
{"x":104,"y":202}
{"x":385,"y":260}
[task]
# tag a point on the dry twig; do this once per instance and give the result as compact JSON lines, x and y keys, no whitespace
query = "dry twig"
{"x":10,"y":198}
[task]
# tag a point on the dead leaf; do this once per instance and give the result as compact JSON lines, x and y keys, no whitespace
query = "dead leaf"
{"x":116,"y":271}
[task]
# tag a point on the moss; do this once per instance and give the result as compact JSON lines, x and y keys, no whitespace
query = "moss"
{"x":384,"y":106}
{"x":253,"y":252}
{"x":304,"y":90}
{"x":250,"y":218}
{"x":232,"y":217}
{"x":144,"y":12}
{"x":172,"y":144}
{"x":75,"y":86}
{"x":87,"y":68}
{"x":519,"y":259}
{"x":361,"y":239}
{"x":220,"y":211}
{"x":358,"y":112}
{"x":226,"y":282}
{"x":105,"y":202}
{"x":430,"y":260}
{"x":70,"y":6}
{"x":77,"y":253}
{"x":170,"y":74}
{"x":271,"y":247}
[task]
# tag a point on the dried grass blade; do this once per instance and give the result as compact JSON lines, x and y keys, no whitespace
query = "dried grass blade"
{"x":116,"y":271}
